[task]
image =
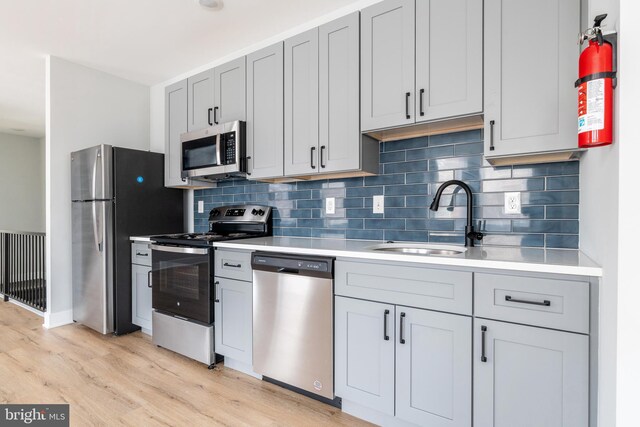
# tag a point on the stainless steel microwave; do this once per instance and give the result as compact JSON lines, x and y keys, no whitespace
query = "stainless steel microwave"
{"x":214,"y":153}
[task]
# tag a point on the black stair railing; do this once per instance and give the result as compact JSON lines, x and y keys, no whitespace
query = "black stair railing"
{"x":22,"y":268}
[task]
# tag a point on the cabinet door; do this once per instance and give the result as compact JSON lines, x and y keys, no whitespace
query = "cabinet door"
{"x":233,"y":319}
{"x":529,"y":75}
{"x":141,"y":296}
{"x":230,"y":92}
{"x":530,"y":377}
{"x":265,"y":125}
{"x":340,"y":94}
{"x":433,"y":367}
{"x":301,"y":104}
{"x":364,"y":356}
{"x":448,"y":58}
{"x":200,"y":100}
{"x":388,"y":64}
{"x":175,"y":121}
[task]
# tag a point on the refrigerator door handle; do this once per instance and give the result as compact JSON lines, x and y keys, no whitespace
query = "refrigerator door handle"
{"x":96,"y":227}
{"x":94,"y":177}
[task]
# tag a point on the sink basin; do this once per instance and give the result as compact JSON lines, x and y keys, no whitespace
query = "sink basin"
{"x":419,"y":249}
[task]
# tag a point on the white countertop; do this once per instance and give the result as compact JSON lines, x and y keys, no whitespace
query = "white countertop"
{"x":143,"y":239}
{"x":555,"y":261}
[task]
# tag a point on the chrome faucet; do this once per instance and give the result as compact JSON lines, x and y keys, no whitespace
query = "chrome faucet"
{"x":470,"y":235}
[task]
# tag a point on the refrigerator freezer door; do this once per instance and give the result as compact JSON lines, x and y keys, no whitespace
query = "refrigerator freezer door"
{"x":92,"y":244}
{"x":91,"y":173}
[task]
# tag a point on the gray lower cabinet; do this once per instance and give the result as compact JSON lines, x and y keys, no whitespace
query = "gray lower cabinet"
{"x":229,"y":88}
{"x":140,"y":287}
{"x":201,"y":100}
{"x":529,"y":376}
{"x":428,"y":382}
{"x":265,"y":114}
{"x":530,"y":108}
{"x":233,"y":319}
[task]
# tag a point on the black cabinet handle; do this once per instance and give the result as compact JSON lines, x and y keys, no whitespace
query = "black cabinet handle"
{"x":545,"y":302}
{"x":491,"y":125}
{"x":247,"y":165}
{"x":215,"y":114}
{"x":149,"y":282}
{"x":406,"y":104}
{"x":209,"y":116}
{"x":322,"y":149}
{"x":313,"y":149}
{"x":421,"y":102}
{"x":215,"y":291}
{"x":226,"y":264}
{"x":483,"y":357}
{"x":142,"y":254}
{"x":385,"y":333}
{"x":402,"y":317}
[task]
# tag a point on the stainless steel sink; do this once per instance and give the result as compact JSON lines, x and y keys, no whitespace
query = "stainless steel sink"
{"x":419,"y":249}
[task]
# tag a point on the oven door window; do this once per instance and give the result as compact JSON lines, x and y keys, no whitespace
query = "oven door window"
{"x":182,"y":285}
{"x":201,"y":153}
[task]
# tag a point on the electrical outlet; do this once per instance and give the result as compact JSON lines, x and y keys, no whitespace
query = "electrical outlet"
{"x":512,"y":203}
{"x":200,"y":206}
{"x":330,"y":206}
{"x":378,"y":204}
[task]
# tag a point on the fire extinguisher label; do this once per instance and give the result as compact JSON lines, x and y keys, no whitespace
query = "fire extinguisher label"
{"x":591,"y":106}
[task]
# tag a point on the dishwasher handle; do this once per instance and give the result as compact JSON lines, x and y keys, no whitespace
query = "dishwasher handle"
{"x":288,"y":270}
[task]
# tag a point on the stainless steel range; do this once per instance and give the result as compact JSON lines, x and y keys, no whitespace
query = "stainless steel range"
{"x":183,"y":276}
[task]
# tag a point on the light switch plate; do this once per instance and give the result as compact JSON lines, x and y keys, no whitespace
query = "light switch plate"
{"x":378,"y":204}
{"x":200,"y":206}
{"x":512,"y":204}
{"x":330,"y":205}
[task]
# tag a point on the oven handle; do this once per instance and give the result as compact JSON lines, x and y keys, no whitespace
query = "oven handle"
{"x":179,"y":250}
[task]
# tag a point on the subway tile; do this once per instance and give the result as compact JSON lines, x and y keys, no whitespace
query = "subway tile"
{"x":364,"y":191}
{"x":564,"y":241}
{"x":406,"y":144}
{"x":419,"y":201}
{"x":430,"y":153}
{"x":550,"y":198}
{"x":528,"y":212}
{"x":545,"y":226}
{"x":546,"y":169}
{"x":563,"y":183}
{"x":469,"y":149}
{"x":488,"y":225}
{"x":296,"y":232}
{"x":430,"y":224}
{"x":445,"y":237}
{"x":386,"y":224}
{"x":403,"y":190}
{"x":326,"y":233}
{"x":353,"y":202}
{"x":455,"y":138}
{"x":233,"y":190}
{"x":362,"y":213}
{"x":475,"y":186}
{"x":527,"y":184}
{"x":244,"y":198}
{"x":426,"y":177}
{"x":300,"y":213}
{"x":285,"y":222}
{"x":405,"y":212}
{"x":310,"y":185}
{"x":562,"y":212}
{"x":524,"y":240}
{"x":389,"y":202}
{"x":311,"y":223}
{"x":453,"y":212}
{"x":455,"y":163}
{"x":352,"y":182}
{"x":225,"y":183}
{"x":393,"y":156}
{"x":415,"y":166}
{"x":483,"y":173}
{"x":309,"y":204}
{"x":365,"y":234}
{"x":384,"y":179}
{"x":406,"y":236}
{"x":328,"y":192}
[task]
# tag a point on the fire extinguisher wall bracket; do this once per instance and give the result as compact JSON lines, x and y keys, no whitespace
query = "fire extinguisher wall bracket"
{"x":612,"y":38}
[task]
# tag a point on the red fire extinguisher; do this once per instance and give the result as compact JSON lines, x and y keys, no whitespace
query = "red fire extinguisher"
{"x":597,"y":79}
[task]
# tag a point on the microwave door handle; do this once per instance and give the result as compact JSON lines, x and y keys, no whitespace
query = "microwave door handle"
{"x":218,"y":149}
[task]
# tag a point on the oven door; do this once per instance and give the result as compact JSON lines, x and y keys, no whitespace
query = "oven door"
{"x":182,"y":281}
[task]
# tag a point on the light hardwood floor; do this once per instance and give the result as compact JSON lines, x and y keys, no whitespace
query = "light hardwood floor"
{"x":126,"y":380}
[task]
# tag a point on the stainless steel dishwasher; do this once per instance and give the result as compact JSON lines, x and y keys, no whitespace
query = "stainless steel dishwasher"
{"x":293,"y":321}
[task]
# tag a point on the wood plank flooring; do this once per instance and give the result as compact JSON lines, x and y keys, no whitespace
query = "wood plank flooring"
{"x":126,"y":380}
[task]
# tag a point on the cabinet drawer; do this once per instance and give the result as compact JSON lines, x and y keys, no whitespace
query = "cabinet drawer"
{"x":422,"y":287}
{"x":552,"y":303}
{"x":141,"y":254}
{"x":233,"y":264}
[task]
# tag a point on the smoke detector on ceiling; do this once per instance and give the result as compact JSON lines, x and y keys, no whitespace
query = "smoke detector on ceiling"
{"x":210,"y":4}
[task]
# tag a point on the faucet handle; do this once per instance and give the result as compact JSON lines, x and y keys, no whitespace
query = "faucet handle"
{"x":475,"y":235}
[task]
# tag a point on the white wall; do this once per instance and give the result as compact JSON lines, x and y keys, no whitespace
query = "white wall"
{"x":21,"y":183}
{"x":85,"y":107}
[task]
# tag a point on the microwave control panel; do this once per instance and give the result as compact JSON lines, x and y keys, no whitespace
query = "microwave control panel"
{"x":228,"y":151}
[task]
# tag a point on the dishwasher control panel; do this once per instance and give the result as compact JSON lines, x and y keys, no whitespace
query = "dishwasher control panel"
{"x":292,"y":264}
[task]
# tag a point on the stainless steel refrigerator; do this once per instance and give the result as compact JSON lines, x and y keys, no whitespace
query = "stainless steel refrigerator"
{"x":116,"y":193}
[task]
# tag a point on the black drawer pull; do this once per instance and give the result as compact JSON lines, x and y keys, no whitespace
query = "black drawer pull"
{"x":209,"y":116}
{"x":226,"y":264}
{"x":142,"y":254}
{"x":215,"y":115}
{"x":313,"y":150}
{"x":402,"y":317}
{"x":545,"y":302}
{"x":406,"y":105}
{"x":483,"y":357}
{"x":421,"y":102}
{"x":385,"y":333}
{"x":491,"y":125}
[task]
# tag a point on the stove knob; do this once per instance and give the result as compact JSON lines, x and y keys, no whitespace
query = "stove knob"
{"x":216,"y":212}
{"x":254,"y":212}
{"x":260,"y":212}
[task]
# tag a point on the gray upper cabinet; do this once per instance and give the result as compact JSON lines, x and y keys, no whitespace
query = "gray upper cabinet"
{"x":339,"y":45}
{"x":433,"y":368}
{"x":529,"y":376}
{"x":301,"y":103}
{"x":230,"y":92}
{"x":388,"y":64}
{"x":175,"y":122}
{"x":201,"y":100}
{"x":530,"y":102}
{"x":265,"y":113}
{"x":448,"y":58}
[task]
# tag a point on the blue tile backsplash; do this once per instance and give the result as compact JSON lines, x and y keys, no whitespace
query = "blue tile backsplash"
{"x":410,"y":172}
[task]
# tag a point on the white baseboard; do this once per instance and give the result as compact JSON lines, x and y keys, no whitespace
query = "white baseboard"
{"x":240,"y":366}
{"x":26,"y":307}
{"x":372,"y":415}
{"x":59,"y":318}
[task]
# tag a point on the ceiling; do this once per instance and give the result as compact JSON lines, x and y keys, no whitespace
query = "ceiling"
{"x":147,"y":41}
